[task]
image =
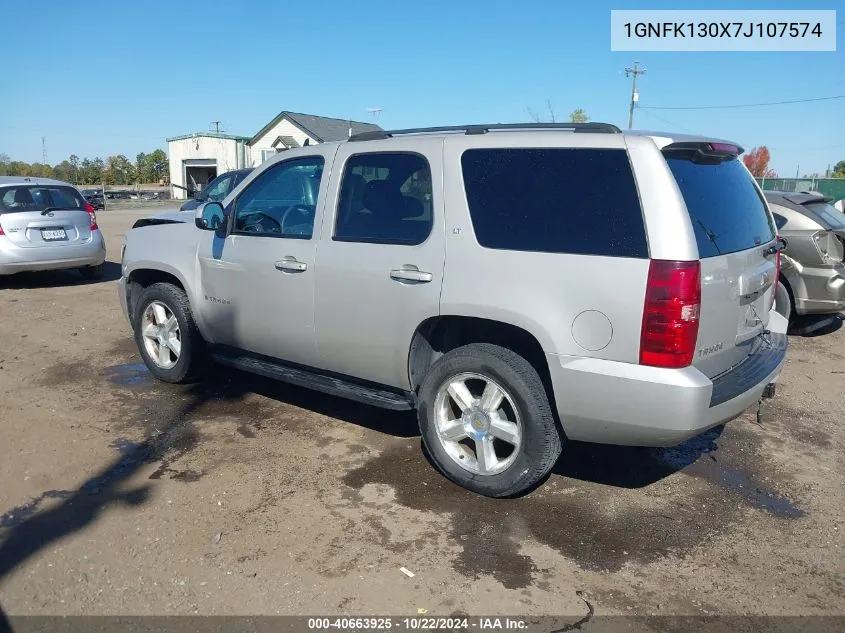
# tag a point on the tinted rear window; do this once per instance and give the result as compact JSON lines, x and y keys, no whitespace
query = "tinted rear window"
{"x":38,"y":198}
{"x":581,"y":201}
{"x":727,"y":212}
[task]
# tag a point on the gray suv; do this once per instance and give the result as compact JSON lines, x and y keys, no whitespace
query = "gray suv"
{"x":517,"y":285}
{"x":812,"y":279}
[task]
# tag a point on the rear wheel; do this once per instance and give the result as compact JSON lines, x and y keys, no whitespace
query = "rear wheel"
{"x":486,"y":421}
{"x":783,"y":302}
{"x":92,"y":272}
{"x":167,"y":337}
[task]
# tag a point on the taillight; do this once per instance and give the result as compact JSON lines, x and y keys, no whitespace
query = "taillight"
{"x":92,"y":216}
{"x":671,"y":313}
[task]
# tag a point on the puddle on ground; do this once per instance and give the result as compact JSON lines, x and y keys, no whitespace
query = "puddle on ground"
{"x":21,"y":513}
{"x":699,"y":457}
{"x":741,"y":482}
{"x":129,"y":375}
{"x":600,"y":523}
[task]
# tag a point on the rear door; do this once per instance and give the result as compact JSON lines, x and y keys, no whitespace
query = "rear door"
{"x":735,"y":235}
{"x":380,"y":259}
{"x":35,"y":215}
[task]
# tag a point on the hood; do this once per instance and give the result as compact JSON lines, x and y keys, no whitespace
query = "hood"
{"x":168,"y":217}
{"x":179,"y":216}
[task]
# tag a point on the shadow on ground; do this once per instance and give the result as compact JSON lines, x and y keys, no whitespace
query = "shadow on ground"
{"x":28,"y":528}
{"x":816,"y":325}
{"x":55,"y":278}
{"x":631,"y":466}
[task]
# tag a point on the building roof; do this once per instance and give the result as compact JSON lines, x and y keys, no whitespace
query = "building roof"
{"x":230,"y":137}
{"x":320,"y":128}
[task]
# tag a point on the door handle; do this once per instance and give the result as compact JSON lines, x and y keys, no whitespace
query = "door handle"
{"x":291,"y":265}
{"x":411,"y":273}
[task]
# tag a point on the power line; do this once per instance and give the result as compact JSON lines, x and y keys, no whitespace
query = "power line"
{"x":741,"y":105}
{"x":668,"y":122}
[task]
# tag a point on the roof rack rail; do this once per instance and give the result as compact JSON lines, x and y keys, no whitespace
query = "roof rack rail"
{"x":604,"y":128}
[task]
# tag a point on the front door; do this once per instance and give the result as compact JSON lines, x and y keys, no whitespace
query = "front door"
{"x":257,"y":279}
{"x":380,"y":257}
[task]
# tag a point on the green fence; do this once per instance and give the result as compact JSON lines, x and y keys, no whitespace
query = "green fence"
{"x":833,"y":187}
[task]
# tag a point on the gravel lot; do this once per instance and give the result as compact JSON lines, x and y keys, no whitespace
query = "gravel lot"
{"x":241,"y":496}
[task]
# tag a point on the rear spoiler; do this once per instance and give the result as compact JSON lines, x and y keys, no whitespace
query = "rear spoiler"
{"x":799,"y":197}
{"x":705,"y":151}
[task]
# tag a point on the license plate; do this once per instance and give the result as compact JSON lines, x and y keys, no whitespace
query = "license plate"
{"x":52,"y":235}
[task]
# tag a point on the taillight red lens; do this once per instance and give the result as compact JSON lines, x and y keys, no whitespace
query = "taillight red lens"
{"x":724,"y":147}
{"x":92,"y":216}
{"x":671,"y":313}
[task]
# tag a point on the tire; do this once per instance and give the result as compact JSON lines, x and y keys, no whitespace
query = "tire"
{"x":783,"y":302}
{"x":524,"y":407}
{"x":184,"y":366}
{"x":93,"y":272}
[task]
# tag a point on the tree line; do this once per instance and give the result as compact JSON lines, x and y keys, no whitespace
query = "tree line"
{"x":114,"y":170}
{"x":757,"y":161}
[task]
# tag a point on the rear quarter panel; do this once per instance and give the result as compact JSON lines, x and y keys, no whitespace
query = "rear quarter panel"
{"x":542,"y":293}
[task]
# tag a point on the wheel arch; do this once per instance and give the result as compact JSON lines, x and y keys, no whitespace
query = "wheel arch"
{"x":142,"y":276}
{"x":439,"y":334}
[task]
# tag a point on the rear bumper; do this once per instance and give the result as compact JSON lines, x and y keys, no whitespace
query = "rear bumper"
{"x":15,"y":259}
{"x":620,"y":403}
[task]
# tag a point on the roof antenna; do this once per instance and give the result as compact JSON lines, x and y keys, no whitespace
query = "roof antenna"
{"x":375,"y":112}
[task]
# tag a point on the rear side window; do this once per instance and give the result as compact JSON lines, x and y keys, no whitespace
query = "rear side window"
{"x":385,"y":198}
{"x":581,"y":201}
{"x":726,"y":210}
{"x":38,"y":198}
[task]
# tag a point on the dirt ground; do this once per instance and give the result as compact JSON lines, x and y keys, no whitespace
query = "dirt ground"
{"x":121,"y":495}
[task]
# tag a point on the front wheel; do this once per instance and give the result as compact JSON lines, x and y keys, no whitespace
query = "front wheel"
{"x":486,"y":420}
{"x":167,"y":337}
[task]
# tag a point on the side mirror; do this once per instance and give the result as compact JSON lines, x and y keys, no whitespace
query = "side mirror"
{"x":210,"y":216}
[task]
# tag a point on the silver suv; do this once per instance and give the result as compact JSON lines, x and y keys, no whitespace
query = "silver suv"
{"x":517,"y":285}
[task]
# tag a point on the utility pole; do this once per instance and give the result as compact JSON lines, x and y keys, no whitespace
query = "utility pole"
{"x":635,"y":96}
{"x":43,"y":150}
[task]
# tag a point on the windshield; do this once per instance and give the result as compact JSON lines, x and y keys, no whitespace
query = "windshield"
{"x":833,"y":218}
{"x":39,"y":198}
{"x":727,"y":212}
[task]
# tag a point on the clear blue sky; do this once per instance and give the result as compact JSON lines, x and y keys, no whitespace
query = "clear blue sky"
{"x":106,"y":77}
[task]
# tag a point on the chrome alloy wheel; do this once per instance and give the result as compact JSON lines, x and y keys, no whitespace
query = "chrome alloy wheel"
{"x":162,"y":338}
{"x":477,"y":423}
